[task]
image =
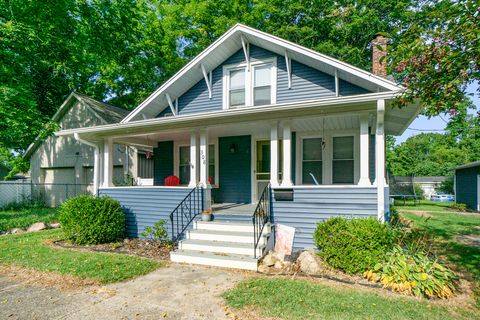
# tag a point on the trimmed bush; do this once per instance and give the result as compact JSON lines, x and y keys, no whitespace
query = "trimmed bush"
{"x":414,"y":273}
{"x":353,"y":246}
{"x":92,"y":220}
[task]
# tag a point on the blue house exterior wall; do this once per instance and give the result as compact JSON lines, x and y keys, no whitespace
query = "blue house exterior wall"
{"x":313,"y":205}
{"x":466,"y":186}
{"x":144,"y":206}
{"x":307,"y":84}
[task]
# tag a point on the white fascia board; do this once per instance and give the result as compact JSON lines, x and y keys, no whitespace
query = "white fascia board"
{"x":287,"y":45}
{"x":113,"y":129}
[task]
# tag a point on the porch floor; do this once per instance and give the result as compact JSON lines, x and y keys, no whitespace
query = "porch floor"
{"x":234,"y":208}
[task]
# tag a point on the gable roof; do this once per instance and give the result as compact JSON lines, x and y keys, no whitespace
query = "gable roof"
{"x":231,"y":42}
{"x":106,"y":113}
{"x":469,"y":165}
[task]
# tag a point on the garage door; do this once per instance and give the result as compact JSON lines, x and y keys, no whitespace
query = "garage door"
{"x":59,"y":185}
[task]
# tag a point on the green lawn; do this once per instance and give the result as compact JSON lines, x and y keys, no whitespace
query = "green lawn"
{"x":443,"y":226}
{"x":299,"y":299}
{"x":30,"y":251}
{"x":23,"y":218}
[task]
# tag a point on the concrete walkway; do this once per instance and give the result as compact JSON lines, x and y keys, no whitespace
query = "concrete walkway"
{"x":174,"y":292}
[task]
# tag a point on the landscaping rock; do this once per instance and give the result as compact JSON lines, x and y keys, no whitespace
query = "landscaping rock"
{"x":54,"y":225}
{"x":278,"y":265}
{"x":279,"y":256}
{"x":309,"y":263}
{"x":16,"y":231}
{"x":263,"y":268}
{"x":37,"y":227}
{"x":269,"y":260}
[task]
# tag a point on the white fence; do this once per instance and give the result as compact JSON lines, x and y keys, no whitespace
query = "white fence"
{"x":15,"y":191}
{"x":48,"y":194}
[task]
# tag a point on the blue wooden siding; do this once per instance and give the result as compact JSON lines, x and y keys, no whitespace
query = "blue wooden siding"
{"x":307,"y":84}
{"x":144,"y":206}
{"x":466,"y":186}
{"x":234,"y":171}
{"x":312,"y":205}
{"x":162,"y":162}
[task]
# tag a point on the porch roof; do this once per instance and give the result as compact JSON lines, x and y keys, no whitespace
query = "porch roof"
{"x":396,"y":120}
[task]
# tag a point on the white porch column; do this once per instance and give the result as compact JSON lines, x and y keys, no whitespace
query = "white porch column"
{"x":193,"y":159}
{"x":274,"y":155}
{"x":380,"y":159}
{"x":364,"y":150}
{"x":287,"y":155}
{"x":204,"y":169}
{"x":107,"y":162}
{"x":96,"y":170}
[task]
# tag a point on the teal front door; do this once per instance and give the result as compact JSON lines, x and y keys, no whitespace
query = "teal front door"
{"x":235,"y":181}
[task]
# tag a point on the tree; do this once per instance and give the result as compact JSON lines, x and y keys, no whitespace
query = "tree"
{"x":438,"y":55}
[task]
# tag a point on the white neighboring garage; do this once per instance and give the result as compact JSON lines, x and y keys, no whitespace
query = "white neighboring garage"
{"x":61,"y":167}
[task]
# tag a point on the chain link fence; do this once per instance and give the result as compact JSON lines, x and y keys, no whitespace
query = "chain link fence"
{"x":47,"y":194}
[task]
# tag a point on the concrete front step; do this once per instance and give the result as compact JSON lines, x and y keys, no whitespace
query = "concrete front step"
{"x":228,"y":236}
{"x":230,"y":226}
{"x":220,"y":247}
{"x":216,"y":260}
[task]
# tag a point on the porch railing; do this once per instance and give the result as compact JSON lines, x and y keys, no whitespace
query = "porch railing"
{"x":261,"y":217}
{"x":185,"y":212}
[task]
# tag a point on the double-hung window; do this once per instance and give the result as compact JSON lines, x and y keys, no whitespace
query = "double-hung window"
{"x":236,"y":90}
{"x":262,"y":84}
{"x":312,"y":161}
{"x":343,"y":160}
{"x":253,"y":85}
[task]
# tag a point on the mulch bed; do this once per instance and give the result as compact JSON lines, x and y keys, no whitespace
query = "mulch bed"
{"x":138,"y":247}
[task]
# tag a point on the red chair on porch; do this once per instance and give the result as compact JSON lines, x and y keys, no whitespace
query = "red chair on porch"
{"x":171,"y":181}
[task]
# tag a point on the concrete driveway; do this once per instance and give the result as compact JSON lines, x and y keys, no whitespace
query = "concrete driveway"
{"x":173,"y":292}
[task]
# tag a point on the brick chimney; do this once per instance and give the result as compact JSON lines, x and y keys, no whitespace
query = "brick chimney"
{"x":379,"y":55}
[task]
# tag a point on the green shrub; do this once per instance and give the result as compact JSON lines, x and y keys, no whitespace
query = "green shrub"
{"x":355,"y":245}
{"x":462,"y":207}
{"x":92,"y":220}
{"x":158,"y":232}
{"x":414,"y":273}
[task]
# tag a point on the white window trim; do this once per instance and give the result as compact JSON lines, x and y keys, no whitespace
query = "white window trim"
{"x":176,"y":159}
{"x":249,"y":73}
{"x":356,"y":156}
{"x":327,"y":156}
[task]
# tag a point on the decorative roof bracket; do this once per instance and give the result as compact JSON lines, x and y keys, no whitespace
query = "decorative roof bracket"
{"x":208,"y":80}
{"x":171,"y":105}
{"x":246,"y":51}
{"x":288,"y":62}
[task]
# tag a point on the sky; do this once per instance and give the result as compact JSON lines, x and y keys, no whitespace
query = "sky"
{"x":433,"y":124}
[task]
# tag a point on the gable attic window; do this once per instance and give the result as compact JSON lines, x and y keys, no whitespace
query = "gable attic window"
{"x":237,"y":88}
{"x":246,"y":87}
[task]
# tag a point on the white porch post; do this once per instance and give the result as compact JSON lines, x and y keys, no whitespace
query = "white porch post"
{"x":107,"y":162}
{"x":193,"y":159}
{"x":364,"y":150}
{"x":287,"y":155}
{"x":204,"y":169}
{"x":96,"y":170}
{"x":380,"y":159}
{"x":274,"y":155}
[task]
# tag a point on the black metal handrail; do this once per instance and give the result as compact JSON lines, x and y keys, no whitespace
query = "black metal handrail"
{"x":261,"y":217}
{"x":185,"y":212}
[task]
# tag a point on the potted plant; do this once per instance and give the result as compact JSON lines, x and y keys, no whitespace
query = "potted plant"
{"x":207,"y":215}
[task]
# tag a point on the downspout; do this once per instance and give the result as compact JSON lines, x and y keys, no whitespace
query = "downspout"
{"x":96,"y":161}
